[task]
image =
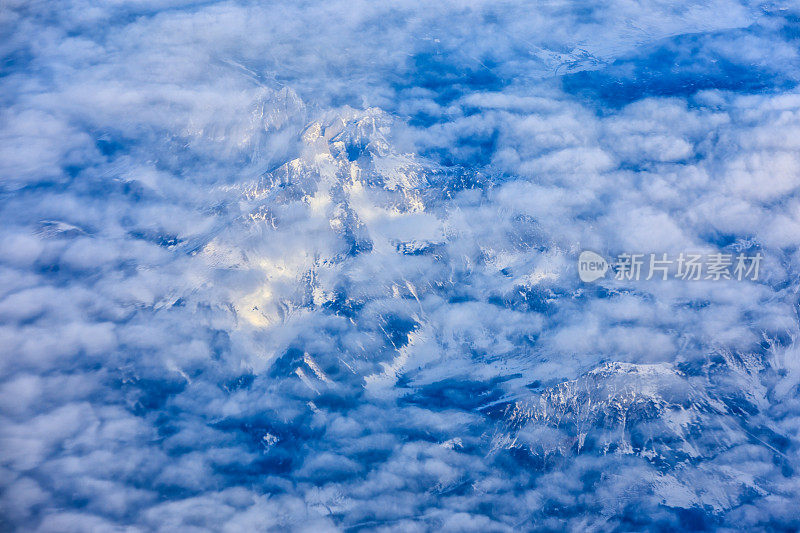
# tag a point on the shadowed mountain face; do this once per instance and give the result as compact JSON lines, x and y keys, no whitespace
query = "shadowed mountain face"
{"x":314,"y":267}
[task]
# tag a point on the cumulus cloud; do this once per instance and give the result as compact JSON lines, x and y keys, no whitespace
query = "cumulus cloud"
{"x":312,"y":266}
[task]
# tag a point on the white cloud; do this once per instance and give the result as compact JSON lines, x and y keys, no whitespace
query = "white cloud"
{"x":259,"y":262}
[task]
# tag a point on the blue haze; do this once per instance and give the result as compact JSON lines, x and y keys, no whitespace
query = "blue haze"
{"x":306,"y":266}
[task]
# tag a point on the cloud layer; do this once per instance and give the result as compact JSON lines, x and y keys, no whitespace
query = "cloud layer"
{"x":311,"y":266}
